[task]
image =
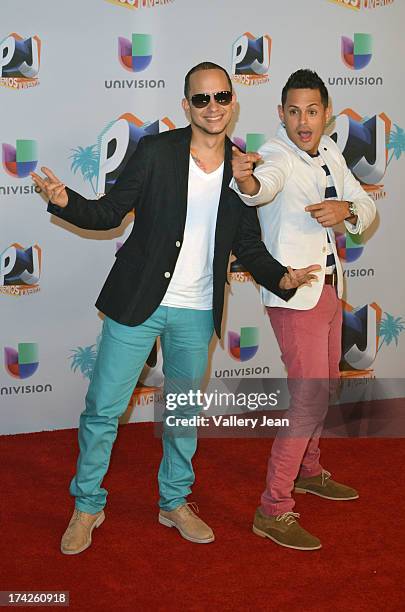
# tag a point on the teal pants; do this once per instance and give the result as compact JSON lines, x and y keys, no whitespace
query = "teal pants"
{"x":185,"y":335}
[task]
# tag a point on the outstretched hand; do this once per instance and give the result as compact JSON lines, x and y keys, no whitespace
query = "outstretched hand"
{"x":242,"y":169}
{"x":301,"y":277}
{"x":52,"y":187}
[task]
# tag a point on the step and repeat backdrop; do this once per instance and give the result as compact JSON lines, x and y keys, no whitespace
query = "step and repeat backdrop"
{"x":81,"y":82}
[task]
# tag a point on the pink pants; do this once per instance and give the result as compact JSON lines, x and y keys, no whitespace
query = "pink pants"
{"x":310,"y":343}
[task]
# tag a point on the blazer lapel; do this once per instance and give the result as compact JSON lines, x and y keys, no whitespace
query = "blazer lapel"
{"x":181,"y":157}
{"x":225,"y":202}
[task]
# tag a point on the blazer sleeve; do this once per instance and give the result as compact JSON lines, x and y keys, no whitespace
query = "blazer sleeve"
{"x":252,"y":253}
{"x":272,"y":175}
{"x":108,"y":211}
{"x":354,"y":192}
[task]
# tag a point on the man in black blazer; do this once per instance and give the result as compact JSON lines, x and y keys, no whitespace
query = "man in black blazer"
{"x":168,"y":280}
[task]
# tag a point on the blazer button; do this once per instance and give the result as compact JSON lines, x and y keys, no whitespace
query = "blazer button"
{"x":167,"y":274}
{"x":178,"y":243}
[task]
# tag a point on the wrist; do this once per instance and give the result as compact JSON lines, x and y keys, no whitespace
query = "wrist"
{"x":248,"y":186}
{"x":351,"y":211}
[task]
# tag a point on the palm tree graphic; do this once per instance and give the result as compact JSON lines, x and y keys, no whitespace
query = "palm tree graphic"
{"x":389,"y":330}
{"x":86,"y":159}
{"x":396,"y":142}
{"x":84,"y":358}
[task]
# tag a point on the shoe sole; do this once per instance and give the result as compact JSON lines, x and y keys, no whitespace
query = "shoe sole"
{"x":97,"y":524}
{"x":168,"y":523}
{"x":263,"y":534}
{"x":303,"y":491}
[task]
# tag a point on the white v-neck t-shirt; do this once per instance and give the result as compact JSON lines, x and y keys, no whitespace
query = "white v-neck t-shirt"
{"x":191,"y":285}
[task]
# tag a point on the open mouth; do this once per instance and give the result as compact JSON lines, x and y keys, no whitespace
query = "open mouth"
{"x":305,"y":135}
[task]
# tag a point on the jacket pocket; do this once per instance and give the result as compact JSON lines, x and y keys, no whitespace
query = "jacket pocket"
{"x":131,"y":255}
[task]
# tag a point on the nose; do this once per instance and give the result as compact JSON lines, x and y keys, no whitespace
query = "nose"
{"x":213,"y":104}
{"x":303,"y":116}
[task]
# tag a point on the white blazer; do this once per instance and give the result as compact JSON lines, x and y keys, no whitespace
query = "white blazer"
{"x":290,"y":180}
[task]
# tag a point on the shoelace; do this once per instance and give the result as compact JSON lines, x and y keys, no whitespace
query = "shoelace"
{"x":325,"y":477}
{"x":288,"y":517}
{"x":190,"y":507}
{"x":78,"y":516}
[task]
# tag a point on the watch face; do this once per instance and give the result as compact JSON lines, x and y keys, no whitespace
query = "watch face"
{"x":352,"y":209}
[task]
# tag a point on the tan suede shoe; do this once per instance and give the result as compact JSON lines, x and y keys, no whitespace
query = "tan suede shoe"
{"x":285,"y":530}
{"x":189,"y":525}
{"x":77,"y":536}
{"x":323,"y":486}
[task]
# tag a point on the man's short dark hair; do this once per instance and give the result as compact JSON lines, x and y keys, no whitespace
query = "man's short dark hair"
{"x":305,"y":79}
{"x":203,"y":66}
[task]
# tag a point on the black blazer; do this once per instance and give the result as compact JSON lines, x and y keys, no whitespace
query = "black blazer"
{"x":154,"y":183}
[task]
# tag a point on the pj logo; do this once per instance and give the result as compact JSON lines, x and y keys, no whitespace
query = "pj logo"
{"x":135,"y":55}
{"x":352,"y":4}
{"x":23,"y":362}
{"x":101,"y":164}
{"x":251,"y":59}
{"x":364,"y":333}
{"x":140,"y":4}
{"x":364,"y":144}
{"x":359,"y":336}
{"x":243,"y":346}
{"x":20,"y":160}
{"x":358,"y":5}
{"x":19,"y":61}
{"x":20,"y":270}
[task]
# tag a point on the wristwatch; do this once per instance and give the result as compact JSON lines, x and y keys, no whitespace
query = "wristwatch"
{"x":352,"y":209}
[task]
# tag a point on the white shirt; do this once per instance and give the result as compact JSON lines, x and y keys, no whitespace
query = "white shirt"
{"x":191,"y":285}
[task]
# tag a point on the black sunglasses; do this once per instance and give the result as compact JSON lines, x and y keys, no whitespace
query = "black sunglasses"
{"x":201,"y":100}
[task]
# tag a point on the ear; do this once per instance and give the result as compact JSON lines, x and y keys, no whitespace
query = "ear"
{"x":280,"y":113}
{"x":328,"y":113}
{"x":233,"y":103}
{"x":186,"y":106}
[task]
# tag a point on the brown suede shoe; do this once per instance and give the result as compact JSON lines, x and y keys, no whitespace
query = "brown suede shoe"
{"x":190,"y":526}
{"x":285,"y":530}
{"x":77,"y":536}
{"x":324,"y":486}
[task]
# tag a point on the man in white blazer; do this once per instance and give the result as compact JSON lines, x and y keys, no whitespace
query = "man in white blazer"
{"x":302,"y":189}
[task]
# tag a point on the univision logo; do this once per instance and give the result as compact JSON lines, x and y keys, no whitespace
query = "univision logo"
{"x":357,"y":53}
{"x":243,"y":346}
{"x":23,"y":362}
{"x":253,"y":142}
{"x":135,"y":55}
{"x":349,"y":246}
{"x":20,"y":160}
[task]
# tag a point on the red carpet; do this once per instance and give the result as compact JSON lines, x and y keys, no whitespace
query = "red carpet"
{"x":137,"y":564}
